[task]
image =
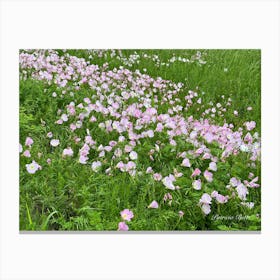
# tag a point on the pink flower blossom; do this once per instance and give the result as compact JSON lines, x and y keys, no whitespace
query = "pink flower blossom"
{"x":130,"y":165}
{"x":213,"y":166}
{"x":29,"y":141}
{"x":64,"y":117}
{"x":253,"y":183}
{"x":150,"y":133}
{"x":32,"y":167}
{"x":199,"y":151}
{"x":149,"y":170}
{"x":157,"y":177}
{"x":168,"y":182}
{"x":205,"y":198}
{"x":208,"y":176}
{"x":83,"y":159}
{"x":242,"y":191}
{"x":133,"y":155}
{"x":206,"y":156}
{"x":127,"y":215}
{"x":206,"y":209}
{"x":127,"y":148}
{"x":73,"y":127}
{"x":221,"y":199}
{"x":153,"y":204}
{"x":234,"y":182}
{"x":121,"y":165}
{"x":123,"y":226}
{"x":92,"y":119}
{"x":248,"y":138}
{"x":197,"y":184}
{"x":112,"y":143}
{"x":214,"y":193}
{"x":95,"y":166}
{"x":26,"y":153}
{"x":196,"y":172}
{"x":181,"y":214}
{"x":186,"y":162}
{"x":68,"y":152}
{"x":167,"y":196}
{"x":250,"y":125}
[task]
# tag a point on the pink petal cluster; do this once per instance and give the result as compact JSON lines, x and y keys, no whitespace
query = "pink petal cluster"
{"x":197,"y":184}
{"x":168,"y":182}
{"x":153,"y":204}
{"x":123,"y":226}
{"x":127,"y":215}
{"x":29,"y":141}
{"x":205,"y":202}
{"x":208,"y":176}
{"x":33,"y":167}
{"x":68,"y":152}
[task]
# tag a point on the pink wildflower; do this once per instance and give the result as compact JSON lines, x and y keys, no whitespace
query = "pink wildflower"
{"x":29,"y":141}
{"x":197,"y":184}
{"x":127,"y":215}
{"x":186,"y":162}
{"x":153,"y":204}
{"x":157,"y":177}
{"x":208,"y":176}
{"x":26,"y":153}
{"x":54,"y":142}
{"x":67,"y":152}
{"x":32,"y":167}
{"x":123,"y":226}
{"x":196,"y":172}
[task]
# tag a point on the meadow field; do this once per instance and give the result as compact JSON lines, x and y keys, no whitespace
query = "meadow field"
{"x":140,"y":140}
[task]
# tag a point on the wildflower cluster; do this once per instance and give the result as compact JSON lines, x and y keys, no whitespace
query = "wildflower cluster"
{"x":116,"y":121}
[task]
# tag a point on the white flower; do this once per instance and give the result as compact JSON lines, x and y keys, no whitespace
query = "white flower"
{"x":213,"y":166}
{"x":197,"y":185}
{"x":133,"y":155}
{"x":186,"y":163}
{"x":96,"y":165}
{"x":206,"y":208}
{"x":118,"y":152}
{"x":149,"y":170}
{"x":168,"y":182}
{"x":54,"y":142}
{"x":242,"y":191}
{"x":244,"y":148}
{"x":68,"y":152}
{"x":205,"y":199}
{"x":250,"y":205}
{"x":64,"y":117}
{"x":150,"y":133}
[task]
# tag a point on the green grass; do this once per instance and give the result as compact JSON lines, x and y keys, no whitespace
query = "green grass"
{"x":67,"y":196}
